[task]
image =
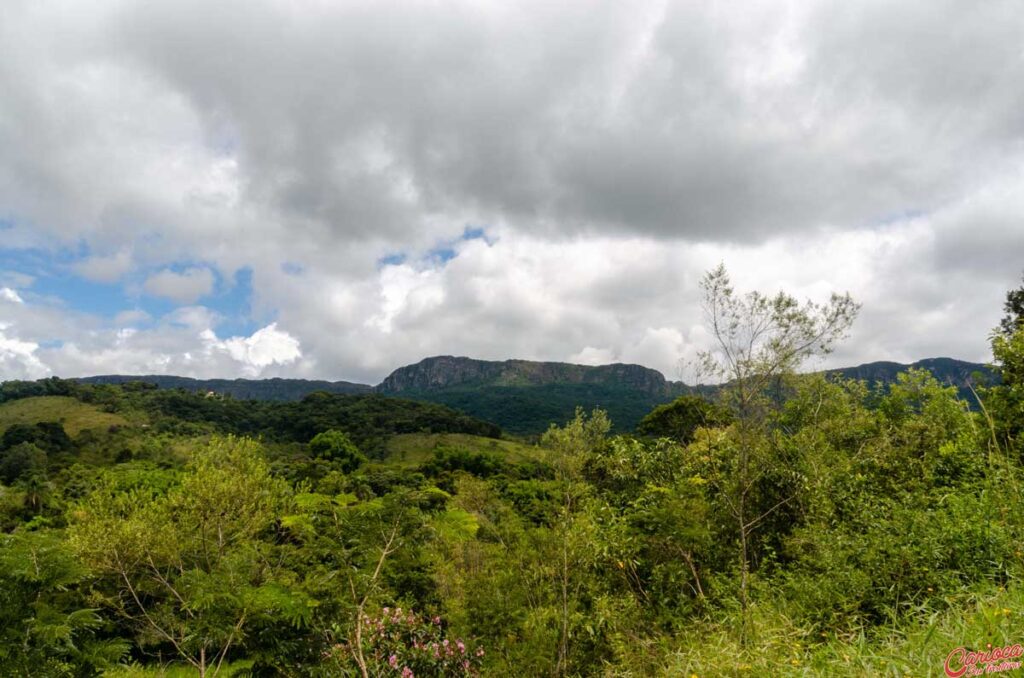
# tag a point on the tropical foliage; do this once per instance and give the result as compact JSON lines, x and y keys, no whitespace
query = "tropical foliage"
{"x":799,"y":525}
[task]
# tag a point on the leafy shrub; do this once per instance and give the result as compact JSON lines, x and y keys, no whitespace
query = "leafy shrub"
{"x":401,"y":643}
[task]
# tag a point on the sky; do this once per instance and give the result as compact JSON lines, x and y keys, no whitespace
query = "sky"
{"x":332,"y":190}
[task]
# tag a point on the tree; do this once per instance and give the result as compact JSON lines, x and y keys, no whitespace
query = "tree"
{"x":1014,"y":309}
{"x":680,"y":418}
{"x":1003,"y":403}
{"x":193,"y":568}
{"x":336,"y":446}
{"x":22,"y":461}
{"x":572,"y":444}
{"x":759,"y":340}
{"x":46,"y":627}
{"x":47,"y":435}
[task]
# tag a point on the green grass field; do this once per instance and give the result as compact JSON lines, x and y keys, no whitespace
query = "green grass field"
{"x":75,"y":416}
{"x":412,"y":449}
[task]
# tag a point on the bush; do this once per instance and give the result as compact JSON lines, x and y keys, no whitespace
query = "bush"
{"x":401,"y":643}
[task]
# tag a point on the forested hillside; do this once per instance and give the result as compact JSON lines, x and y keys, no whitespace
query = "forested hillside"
{"x":240,"y":389}
{"x":797,"y":525}
{"x":525,"y":397}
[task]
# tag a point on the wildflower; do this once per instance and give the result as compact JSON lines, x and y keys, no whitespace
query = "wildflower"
{"x":479,"y":652}
{"x":407,"y":672}
{"x":393,"y":661}
{"x":462,"y":646}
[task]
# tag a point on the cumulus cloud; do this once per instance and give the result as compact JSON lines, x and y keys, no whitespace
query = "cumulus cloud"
{"x":611,"y":151}
{"x":185,"y":287}
{"x":185,"y":345}
{"x":18,"y":359}
{"x":106,"y":269}
{"x":265,"y":347}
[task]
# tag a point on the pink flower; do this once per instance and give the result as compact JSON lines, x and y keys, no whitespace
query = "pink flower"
{"x":462,"y":646}
{"x":437,"y":620}
{"x":393,"y":661}
{"x":407,"y":672}
{"x":479,"y":652}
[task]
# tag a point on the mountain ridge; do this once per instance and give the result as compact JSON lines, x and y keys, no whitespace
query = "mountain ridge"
{"x":525,"y":397}
{"x":456,"y":372}
{"x":275,"y":388}
{"x":440,"y":372}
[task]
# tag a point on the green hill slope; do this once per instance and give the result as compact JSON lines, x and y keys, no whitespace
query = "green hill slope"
{"x":75,"y":416}
{"x":413,"y":449}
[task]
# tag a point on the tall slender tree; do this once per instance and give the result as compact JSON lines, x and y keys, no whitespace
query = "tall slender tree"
{"x":759,"y":340}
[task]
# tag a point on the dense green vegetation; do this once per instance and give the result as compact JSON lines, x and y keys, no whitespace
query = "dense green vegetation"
{"x":524,"y":398}
{"x":240,"y":389}
{"x":530,"y":410}
{"x":800,"y":525}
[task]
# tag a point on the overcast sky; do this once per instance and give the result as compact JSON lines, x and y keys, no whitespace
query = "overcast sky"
{"x":334,"y":189}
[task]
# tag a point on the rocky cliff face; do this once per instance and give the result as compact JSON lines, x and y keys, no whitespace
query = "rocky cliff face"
{"x":444,"y":372}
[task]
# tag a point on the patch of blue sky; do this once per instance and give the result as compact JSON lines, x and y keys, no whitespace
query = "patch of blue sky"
{"x":232,"y":301}
{"x":54,"y":280}
{"x":396,"y":259}
{"x":441,"y":253}
{"x":86,"y":296}
{"x":447,"y":250}
{"x":31,"y":262}
{"x":474,"y":233}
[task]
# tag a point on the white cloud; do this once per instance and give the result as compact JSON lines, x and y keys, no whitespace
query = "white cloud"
{"x":265,"y":347}
{"x":106,"y":269}
{"x":131,"y":317}
{"x":18,"y":359}
{"x":632,"y":147}
{"x":185,"y":288}
{"x":591,"y":355}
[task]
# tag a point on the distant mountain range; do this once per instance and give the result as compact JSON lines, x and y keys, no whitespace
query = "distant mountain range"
{"x":240,"y":389}
{"x":949,"y":371}
{"x":525,"y":397}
